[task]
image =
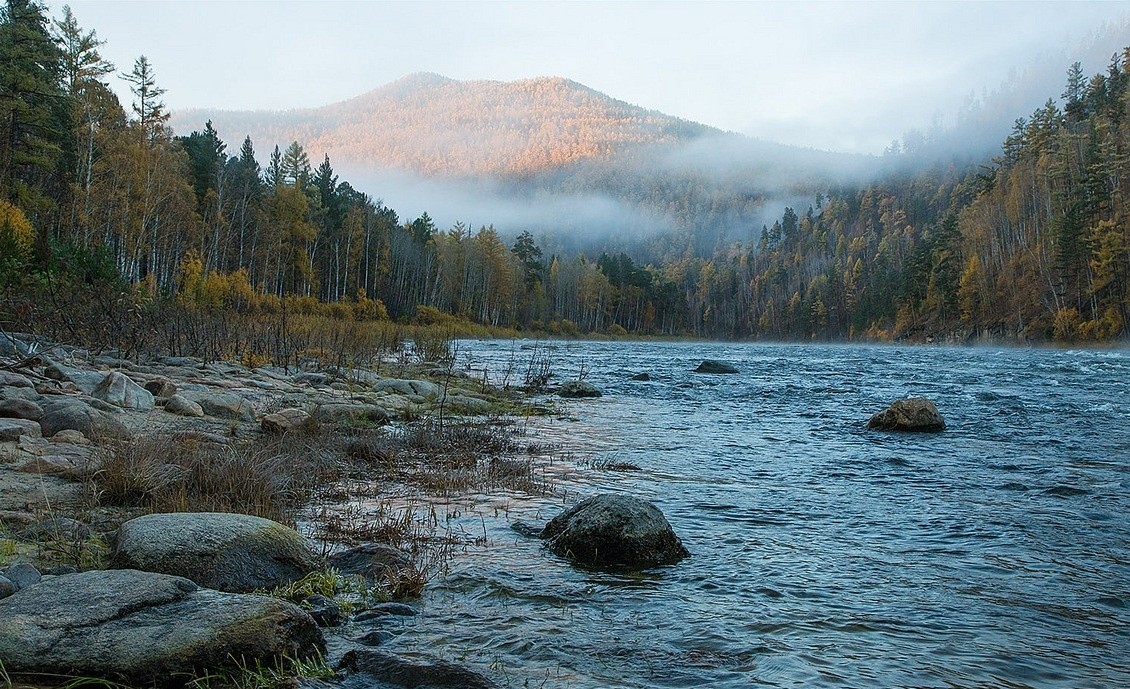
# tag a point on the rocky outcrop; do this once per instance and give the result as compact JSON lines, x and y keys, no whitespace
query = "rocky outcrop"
{"x":12,"y":429}
{"x":351,"y":414}
{"x":611,"y":531}
{"x":910,"y":414}
{"x":145,"y":628}
{"x":119,"y":390}
{"x":714,"y":366}
{"x":575,"y":389}
{"x":227,"y":552}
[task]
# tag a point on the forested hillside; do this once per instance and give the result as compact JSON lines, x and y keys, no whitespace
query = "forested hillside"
{"x":1033,"y":245}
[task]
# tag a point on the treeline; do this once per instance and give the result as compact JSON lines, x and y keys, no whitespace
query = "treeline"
{"x":1033,"y":246}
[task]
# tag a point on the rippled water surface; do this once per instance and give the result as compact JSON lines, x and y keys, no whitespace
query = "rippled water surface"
{"x":996,"y":553}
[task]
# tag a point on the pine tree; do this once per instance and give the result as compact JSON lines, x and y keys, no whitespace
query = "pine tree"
{"x":148,"y":107}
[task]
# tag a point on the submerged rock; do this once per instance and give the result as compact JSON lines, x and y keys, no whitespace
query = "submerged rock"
{"x":575,"y":389}
{"x":387,"y":669}
{"x":616,"y":532}
{"x":228,"y":552}
{"x":910,"y":414}
{"x":713,"y":366}
{"x":645,"y":376}
{"x":145,"y":628}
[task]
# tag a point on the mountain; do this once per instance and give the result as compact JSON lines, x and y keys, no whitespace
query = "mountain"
{"x":438,"y":126}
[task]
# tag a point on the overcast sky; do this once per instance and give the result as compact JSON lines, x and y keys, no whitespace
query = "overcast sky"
{"x":846,"y":76}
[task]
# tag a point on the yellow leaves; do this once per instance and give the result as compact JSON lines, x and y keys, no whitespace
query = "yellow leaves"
{"x":17,"y":236}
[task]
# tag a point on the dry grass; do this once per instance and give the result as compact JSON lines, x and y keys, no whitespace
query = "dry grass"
{"x":184,"y":473}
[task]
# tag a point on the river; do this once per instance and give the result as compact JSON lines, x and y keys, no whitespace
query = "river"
{"x":995,"y":553}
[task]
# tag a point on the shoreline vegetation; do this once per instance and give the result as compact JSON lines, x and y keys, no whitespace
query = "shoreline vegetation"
{"x":92,"y":440}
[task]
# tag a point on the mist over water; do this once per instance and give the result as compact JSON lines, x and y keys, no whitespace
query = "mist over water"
{"x":823,"y":554}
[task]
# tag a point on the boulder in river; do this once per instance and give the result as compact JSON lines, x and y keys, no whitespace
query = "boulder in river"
{"x":576,"y":389}
{"x":615,"y":532}
{"x":228,"y":552}
{"x":715,"y":366}
{"x":145,"y":628}
{"x":377,"y":668}
{"x":909,"y":414}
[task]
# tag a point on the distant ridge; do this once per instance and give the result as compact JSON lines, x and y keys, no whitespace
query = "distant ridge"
{"x":438,"y":126}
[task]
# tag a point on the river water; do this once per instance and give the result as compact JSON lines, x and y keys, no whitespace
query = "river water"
{"x":993,"y":554}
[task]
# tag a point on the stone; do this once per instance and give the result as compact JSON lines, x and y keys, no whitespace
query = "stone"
{"x":389,"y":669}
{"x":11,"y":379}
{"x":87,"y":381}
{"x":228,"y":552}
{"x":182,"y":406}
{"x":374,"y":561}
{"x":351,"y":413}
{"x":161,"y":387}
{"x":222,"y":405}
{"x":284,"y":420}
{"x":56,"y":528}
{"x":70,"y":436}
{"x":421,"y":388}
{"x":7,"y":588}
{"x":611,"y":531}
{"x":715,"y":366}
{"x":143,"y":628}
{"x":325,"y":611}
{"x":20,"y":409}
{"x":462,"y":404}
{"x":574,"y":389}
{"x":12,"y":429}
{"x":76,"y":416}
{"x":909,"y":414}
{"x":645,"y":376}
{"x":22,"y":574}
{"x":119,"y":390}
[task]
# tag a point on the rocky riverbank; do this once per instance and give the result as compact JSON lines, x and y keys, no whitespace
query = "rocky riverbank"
{"x":88,"y":442}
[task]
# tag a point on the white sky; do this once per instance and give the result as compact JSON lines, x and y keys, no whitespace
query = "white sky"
{"x":846,"y":76}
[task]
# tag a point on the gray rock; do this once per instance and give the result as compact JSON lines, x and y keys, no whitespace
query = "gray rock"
{"x":351,"y":413}
{"x":615,"y":532}
{"x":15,"y":344}
{"x":222,"y":405}
{"x":421,"y":388}
{"x":145,"y":628}
{"x":20,"y":409}
{"x":29,"y":394}
{"x":909,"y":414}
{"x":182,"y":406}
{"x":387,"y":669}
{"x":228,"y":552}
{"x":119,"y":390}
{"x":76,"y":416}
{"x":56,"y":528}
{"x":374,"y":561}
{"x":11,"y":379}
{"x":7,"y":588}
{"x":161,"y":387}
{"x":284,"y":420}
{"x":12,"y":429}
{"x":462,"y":404}
{"x":325,"y":611}
{"x":574,"y":389}
{"x":714,"y":366}
{"x":22,"y":574}
{"x":310,"y":378}
{"x":87,"y":381}
{"x":645,"y":376}
{"x":179,"y":361}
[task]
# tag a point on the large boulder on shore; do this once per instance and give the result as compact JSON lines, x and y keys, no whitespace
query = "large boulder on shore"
{"x":120,"y":391}
{"x":910,"y":414}
{"x":228,"y":552}
{"x":714,"y":366}
{"x":611,"y":531}
{"x":145,"y":628}
{"x":75,"y":415}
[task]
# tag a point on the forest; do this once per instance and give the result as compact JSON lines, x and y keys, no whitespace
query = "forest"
{"x":1031,"y":246}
